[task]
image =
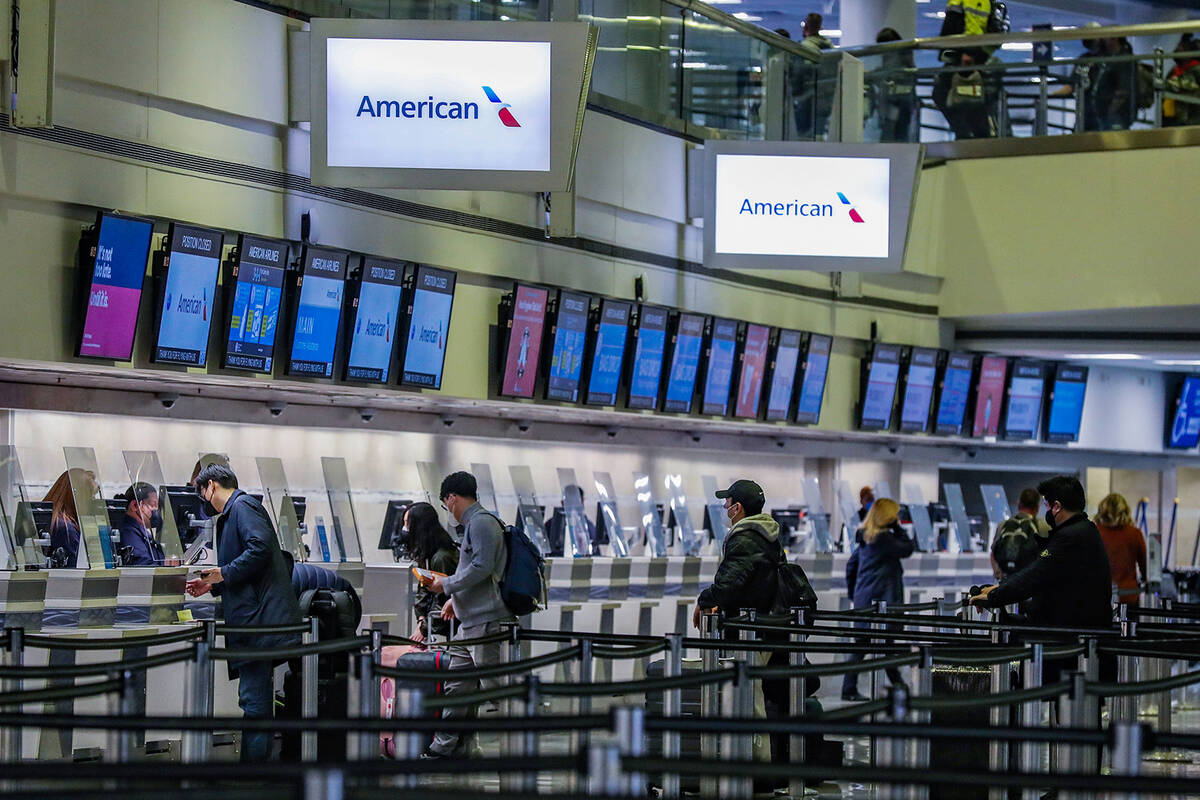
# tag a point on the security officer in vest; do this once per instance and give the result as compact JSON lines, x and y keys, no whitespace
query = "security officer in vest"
{"x":962,"y":96}
{"x":255,"y":586}
{"x":142,"y":520}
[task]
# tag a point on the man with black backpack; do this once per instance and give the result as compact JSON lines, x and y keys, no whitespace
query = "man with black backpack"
{"x":474,"y":591}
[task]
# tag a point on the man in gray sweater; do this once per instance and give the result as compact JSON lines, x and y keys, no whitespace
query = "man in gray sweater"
{"x":474,"y":591}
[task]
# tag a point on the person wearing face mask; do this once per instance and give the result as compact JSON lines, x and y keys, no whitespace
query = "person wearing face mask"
{"x":254,"y":582}
{"x":430,"y":547}
{"x":142,"y":521}
{"x":874,"y":574}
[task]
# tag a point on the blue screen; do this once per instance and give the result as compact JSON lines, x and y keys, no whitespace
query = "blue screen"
{"x":566,"y":357}
{"x":1066,"y":406}
{"x":880,"y":394}
{"x":648,"y":358}
{"x":429,"y":327}
{"x":186,"y":313}
{"x":318,"y":314}
{"x":609,"y":355}
{"x":783,"y":379}
{"x":373,"y":339}
{"x":719,"y":379}
{"x":812,"y":390}
{"x":1024,"y":401}
{"x":254,"y":315}
{"x":1185,"y":428}
{"x":918,"y":390}
{"x":956,"y":387}
{"x":685,"y":363}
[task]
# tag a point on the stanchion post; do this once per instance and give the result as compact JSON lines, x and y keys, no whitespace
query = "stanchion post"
{"x":1128,"y":738}
{"x":734,"y":747}
{"x":324,"y":784}
{"x":924,"y":689}
{"x":1030,"y":759}
{"x":198,"y":698}
{"x":368,"y":696}
{"x":1079,"y":756}
{"x":629,"y":725}
{"x":122,"y":703}
{"x":530,"y":744}
{"x":1125,"y":707}
{"x":796,"y":699}
{"x":709,"y":699}
{"x":308,"y":691}
{"x":408,"y":706}
{"x":894,"y":752}
{"x":15,"y":657}
{"x":604,"y":770}
{"x":998,"y":717}
{"x":672,"y":708}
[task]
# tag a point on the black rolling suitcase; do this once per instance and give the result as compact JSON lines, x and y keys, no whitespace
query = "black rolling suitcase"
{"x":411,"y":658}
{"x":965,"y":755}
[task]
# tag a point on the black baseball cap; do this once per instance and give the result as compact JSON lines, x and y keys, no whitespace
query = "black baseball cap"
{"x":748,"y":493}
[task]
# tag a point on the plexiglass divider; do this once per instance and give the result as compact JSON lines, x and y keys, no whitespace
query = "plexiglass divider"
{"x":13,"y":552}
{"x":958,"y":515}
{"x":652,"y":524}
{"x":97,"y":550}
{"x":143,"y":466}
{"x":280,"y":503}
{"x":341,"y":507}
{"x":689,"y":539}
{"x":610,"y":516}
{"x":995,"y":503}
{"x":528,"y":508}
{"x":577,"y":539}
{"x":817,"y":515}
{"x":431,"y":484}
{"x":914,"y":498}
{"x":486,"y":488}
{"x":716,"y":511}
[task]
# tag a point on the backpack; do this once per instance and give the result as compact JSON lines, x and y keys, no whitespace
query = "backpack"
{"x":792,"y":589}
{"x":523,"y":585}
{"x":1016,"y":544}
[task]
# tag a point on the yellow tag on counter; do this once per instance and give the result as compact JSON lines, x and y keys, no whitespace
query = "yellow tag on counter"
{"x":185,"y":615}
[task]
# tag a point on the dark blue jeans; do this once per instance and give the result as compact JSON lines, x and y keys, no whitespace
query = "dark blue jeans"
{"x":256,"y":697}
{"x":850,"y":680}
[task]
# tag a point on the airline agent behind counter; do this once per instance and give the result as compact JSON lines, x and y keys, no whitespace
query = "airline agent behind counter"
{"x":142,"y":520}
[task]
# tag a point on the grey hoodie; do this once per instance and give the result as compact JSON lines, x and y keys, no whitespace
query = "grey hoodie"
{"x":475,"y":585}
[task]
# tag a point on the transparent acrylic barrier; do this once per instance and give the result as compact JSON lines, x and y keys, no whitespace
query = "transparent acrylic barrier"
{"x":13,"y":554}
{"x":610,"y":517}
{"x":577,"y":540}
{"x":143,"y":467}
{"x":716,"y":511}
{"x":914,"y":498}
{"x":849,"y":512}
{"x":486,"y":488}
{"x":958,"y":515}
{"x":341,"y":505}
{"x":884,"y":489}
{"x":528,"y":507}
{"x":652,"y":527}
{"x":689,"y":538}
{"x":995,"y":502}
{"x":279,"y":503}
{"x":431,"y":483}
{"x":97,"y":547}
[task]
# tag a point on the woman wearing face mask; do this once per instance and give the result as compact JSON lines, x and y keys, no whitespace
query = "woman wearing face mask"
{"x":142,"y":521}
{"x":874,"y":573}
{"x":430,"y":547}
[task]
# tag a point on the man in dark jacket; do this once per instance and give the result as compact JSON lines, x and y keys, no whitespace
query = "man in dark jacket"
{"x":142,"y":517}
{"x":254,"y":583}
{"x":1070,"y":579}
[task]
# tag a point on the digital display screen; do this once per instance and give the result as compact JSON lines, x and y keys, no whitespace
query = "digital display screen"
{"x":956,"y":389}
{"x":1185,"y":424}
{"x":608,"y":354}
{"x":524,"y":341}
{"x":185,"y":316}
{"x":812,"y":385}
{"x":879,"y":391}
{"x":989,"y":395}
{"x":566,"y":354}
{"x":117,"y":261}
{"x":1066,"y":404}
{"x":718,"y":380}
{"x":685,"y":363}
{"x":376,"y":317}
{"x":254,"y":311}
{"x":1025,"y":394}
{"x":318,"y":313}
{"x":428,"y":327}
{"x":783,"y":375}
{"x":754,"y":367}
{"x":644,"y":386}
{"x":918,"y":390}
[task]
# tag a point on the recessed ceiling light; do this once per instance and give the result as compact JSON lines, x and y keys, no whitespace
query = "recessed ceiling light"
{"x":1017,"y":46}
{"x":724,"y":2}
{"x":1178,"y":362}
{"x":1104,"y":356}
{"x":742,"y":15}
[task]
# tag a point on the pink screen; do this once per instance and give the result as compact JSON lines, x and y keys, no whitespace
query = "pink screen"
{"x":990,"y":396}
{"x":754,"y":363}
{"x":524,"y":342}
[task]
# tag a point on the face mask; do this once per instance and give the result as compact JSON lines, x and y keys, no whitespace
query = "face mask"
{"x":208,"y":508}
{"x":156,"y":520}
{"x":1050,"y":518}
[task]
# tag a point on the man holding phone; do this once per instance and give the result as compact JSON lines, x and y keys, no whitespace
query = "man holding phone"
{"x":253,"y":580}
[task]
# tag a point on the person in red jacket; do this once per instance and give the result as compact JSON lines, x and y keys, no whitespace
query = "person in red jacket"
{"x":1125,"y":545}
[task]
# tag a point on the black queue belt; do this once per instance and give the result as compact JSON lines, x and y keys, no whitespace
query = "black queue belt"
{"x":476,"y":673}
{"x":856,"y":633}
{"x":86,"y":670}
{"x":988,"y":700}
{"x":1151,"y":650}
{"x":822,"y":670}
{"x":492,"y":638}
{"x":1143,"y":687}
{"x":956,"y":622}
{"x":262,"y":630}
{"x":112,"y":642}
{"x":538,"y":635}
{"x":60,"y":693}
{"x":642,"y":651}
{"x":298,"y":651}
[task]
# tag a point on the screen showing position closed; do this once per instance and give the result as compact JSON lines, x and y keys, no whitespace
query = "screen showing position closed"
{"x":918,"y":390}
{"x":778,"y":205}
{"x":880,"y":392}
{"x":1025,"y":400}
{"x":754,"y":367}
{"x":122,"y":248}
{"x":648,"y":358}
{"x":373,"y":339}
{"x":609,"y":354}
{"x":254,"y":318}
{"x":1185,"y":425}
{"x":685,"y":363}
{"x":524,"y":341}
{"x":956,"y":388}
{"x":993,"y":371}
{"x":429,"y":327}
{"x":719,"y":378}
{"x":186,"y":314}
{"x":318,"y":313}
{"x":812,"y":390}
{"x":783,"y":379}
{"x":1066,"y":404}
{"x":566,"y":357}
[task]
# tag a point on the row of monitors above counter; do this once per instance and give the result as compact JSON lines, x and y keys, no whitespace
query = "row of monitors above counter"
{"x":335,"y":312}
{"x":921,"y":390}
{"x":568,"y":347}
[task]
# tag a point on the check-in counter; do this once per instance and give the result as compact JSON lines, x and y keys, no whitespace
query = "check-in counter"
{"x":22,"y":599}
